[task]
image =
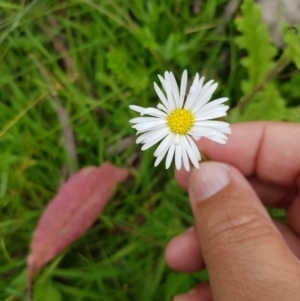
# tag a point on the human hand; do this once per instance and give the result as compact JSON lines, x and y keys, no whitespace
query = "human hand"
{"x":248,"y":256}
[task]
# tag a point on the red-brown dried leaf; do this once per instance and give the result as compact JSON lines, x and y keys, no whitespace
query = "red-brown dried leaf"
{"x":72,"y":211}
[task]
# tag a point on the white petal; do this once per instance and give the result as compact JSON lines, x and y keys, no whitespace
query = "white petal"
{"x":150,"y":144}
{"x":163,"y":145}
{"x":211,"y":115}
{"x":162,"y":80}
{"x":184,"y":154}
{"x":203,"y":97}
{"x":136,"y":108}
{"x":178,"y":155}
{"x":221,"y":135}
{"x":162,"y":107}
{"x":200,"y":133}
{"x":217,"y":134}
{"x":209,"y":131}
{"x":154,"y":140}
{"x":182,"y":88}
{"x":217,"y":139}
{"x":170,"y":155}
{"x":177,"y":139}
{"x":193,"y":155}
{"x":161,"y":96}
{"x":212,"y":110}
{"x":164,"y":150}
{"x":156,"y":134}
{"x":220,"y":126}
{"x":153,"y":112}
{"x":194,"y":84}
{"x":158,"y":160}
{"x":196,"y":89}
{"x":175,"y":90}
{"x":194,"y":148}
{"x":144,"y":119}
{"x":212,"y":123}
{"x":225,"y":130}
{"x":160,"y":126}
{"x":149,"y":136}
{"x":197,"y":138}
{"x":199,"y":93}
{"x":152,"y":128}
{"x":199,"y":130}
{"x":148,"y":125}
{"x":169,"y":92}
{"x":214,"y":103}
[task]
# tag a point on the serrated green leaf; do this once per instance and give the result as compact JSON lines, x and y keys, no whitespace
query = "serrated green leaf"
{"x":129,"y":75}
{"x":292,"y":114}
{"x":256,"y":41}
{"x":266,"y":105}
{"x":292,"y":40}
{"x":291,"y":87}
{"x":290,"y":90}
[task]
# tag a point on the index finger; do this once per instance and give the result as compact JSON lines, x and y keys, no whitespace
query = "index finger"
{"x":268,"y":150}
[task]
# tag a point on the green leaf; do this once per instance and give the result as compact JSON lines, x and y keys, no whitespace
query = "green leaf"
{"x":267,"y":105}
{"x":255,"y":40}
{"x":292,"y":114}
{"x":290,"y":90}
{"x":46,"y":291}
{"x":146,"y":38}
{"x":177,"y":284}
{"x":127,"y":72}
{"x":169,"y":50}
{"x":292,"y":40}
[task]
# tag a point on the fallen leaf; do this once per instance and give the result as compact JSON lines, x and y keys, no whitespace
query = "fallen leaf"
{"x":71,"y":212}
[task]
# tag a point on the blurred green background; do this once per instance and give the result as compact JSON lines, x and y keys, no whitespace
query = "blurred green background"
{"x":68,"y":72}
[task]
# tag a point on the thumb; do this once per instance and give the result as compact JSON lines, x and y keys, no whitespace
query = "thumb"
{"x":245,"y":255}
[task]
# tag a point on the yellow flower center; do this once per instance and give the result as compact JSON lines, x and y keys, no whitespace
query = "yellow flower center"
{"x":180,"y":121}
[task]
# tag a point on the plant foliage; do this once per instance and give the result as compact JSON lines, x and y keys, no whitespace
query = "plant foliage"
{"x":97,"y":58}
{"x":292,"y":40}
{"x":261,"y":98}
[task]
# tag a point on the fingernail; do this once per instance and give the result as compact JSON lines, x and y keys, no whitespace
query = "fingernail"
{"x":206,"y":181}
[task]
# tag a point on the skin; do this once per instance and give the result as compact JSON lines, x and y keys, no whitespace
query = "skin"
{"x":248,"y":256}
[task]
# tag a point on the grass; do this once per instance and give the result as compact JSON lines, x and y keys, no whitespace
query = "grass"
{"x":95,"y":58}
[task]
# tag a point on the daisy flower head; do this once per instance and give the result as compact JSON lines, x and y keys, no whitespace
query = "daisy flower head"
{"x":179,"y":120}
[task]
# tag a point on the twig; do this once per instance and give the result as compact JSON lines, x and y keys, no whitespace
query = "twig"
{"x":228,"y":13}
{"x":60,"y":45}
{"x":196,"y":4}
{"x":281,"y":63}
{"x":131,"y":159}
{"x":121,"y":146}
{"x":29,"y":292}
{"x":63,"y":117}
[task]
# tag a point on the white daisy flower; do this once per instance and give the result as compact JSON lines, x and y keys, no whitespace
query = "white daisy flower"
{"x":180,"y":120}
